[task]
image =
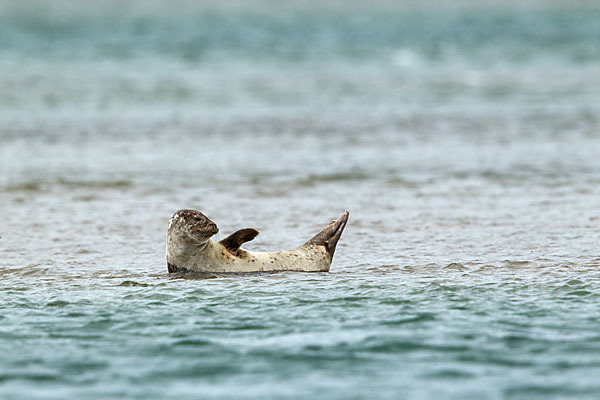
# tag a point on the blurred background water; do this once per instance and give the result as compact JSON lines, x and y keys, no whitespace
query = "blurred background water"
{"x":463,"y":137}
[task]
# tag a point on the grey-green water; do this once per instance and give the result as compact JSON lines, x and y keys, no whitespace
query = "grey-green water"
{"x":463,"y":137}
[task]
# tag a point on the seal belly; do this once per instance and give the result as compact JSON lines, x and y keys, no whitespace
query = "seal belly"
{"x":303,"y":258}
{"x":216,"y":258}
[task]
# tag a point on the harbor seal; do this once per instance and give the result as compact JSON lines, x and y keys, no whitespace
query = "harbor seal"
{"x":190,"y":248}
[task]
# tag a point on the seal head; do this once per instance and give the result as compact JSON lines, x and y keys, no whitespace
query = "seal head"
{"x":192,"y":226}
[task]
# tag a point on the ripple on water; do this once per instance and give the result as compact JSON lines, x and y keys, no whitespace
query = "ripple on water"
{"x":133,"y":284}
{"x":450,"y":374}
{"x":417,"y":319}
{"x":57,"y":303}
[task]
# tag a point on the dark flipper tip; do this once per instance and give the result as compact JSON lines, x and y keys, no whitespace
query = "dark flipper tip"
{"x":330,"y":235}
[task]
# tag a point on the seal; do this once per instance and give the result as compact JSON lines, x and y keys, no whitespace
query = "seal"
{"x":190,"y":248}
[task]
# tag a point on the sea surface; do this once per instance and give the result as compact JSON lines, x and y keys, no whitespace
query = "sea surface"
{"x":464,"y":138}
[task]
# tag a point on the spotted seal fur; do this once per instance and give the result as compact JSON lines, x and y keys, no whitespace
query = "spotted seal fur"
{"x":190,"y":248}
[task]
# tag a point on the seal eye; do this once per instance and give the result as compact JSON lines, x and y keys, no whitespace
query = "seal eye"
{"x":197,"y":219}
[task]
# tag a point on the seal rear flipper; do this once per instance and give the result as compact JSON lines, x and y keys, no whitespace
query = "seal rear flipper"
{"x":233,"y":242}
{"x":330,"y":235}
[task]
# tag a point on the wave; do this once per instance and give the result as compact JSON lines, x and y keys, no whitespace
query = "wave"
{"x":46,"y":185}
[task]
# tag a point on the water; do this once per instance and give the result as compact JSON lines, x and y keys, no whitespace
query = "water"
{"x":462,"y":137}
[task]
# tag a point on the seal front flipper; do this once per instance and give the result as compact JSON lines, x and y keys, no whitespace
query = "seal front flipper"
{"x":233,"y":242}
